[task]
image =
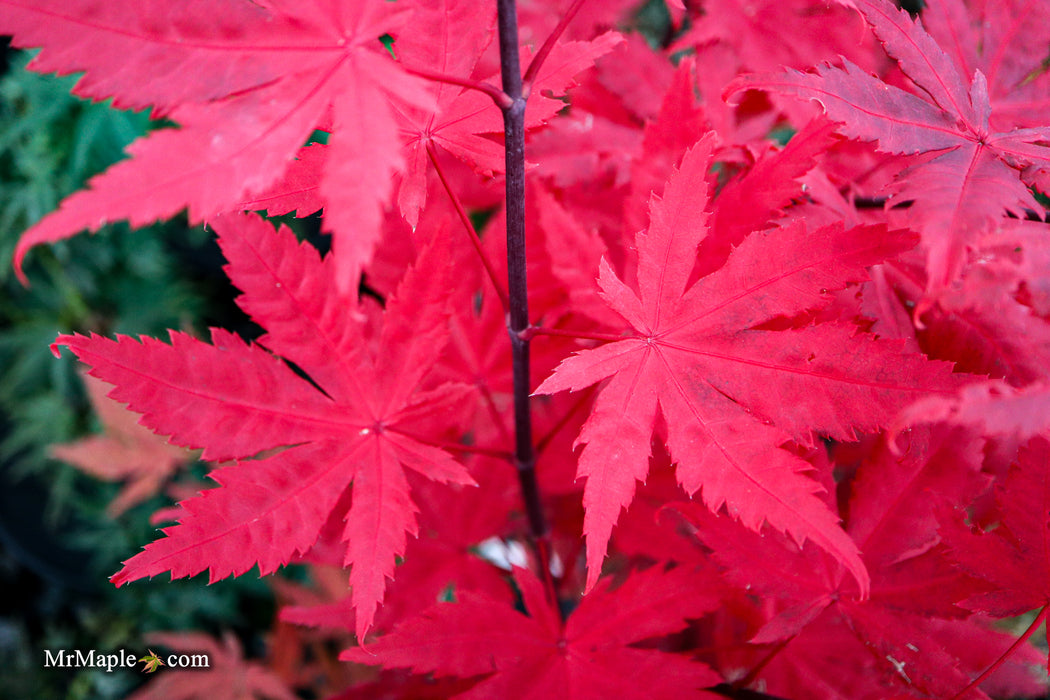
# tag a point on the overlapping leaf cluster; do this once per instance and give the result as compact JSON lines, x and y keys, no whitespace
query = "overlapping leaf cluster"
{"x":815,"y":374}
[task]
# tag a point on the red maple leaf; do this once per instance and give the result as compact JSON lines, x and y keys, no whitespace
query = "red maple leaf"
{"x":1021,"y":251}
{"x":976,"y":171}
{"x":679,"y":124}
{"x":801,"y":668}
{"x":462,"y":121}
{"x":539,"y":656}
{"x":1014,"y":556}
{"x":359,"y":424}
{"x":749,"y":203}
{"x":993,"y":407}
{"x":442,"y":561}
{"x":248,"y":83}
{"x":1006,"y":41}
{"x":996,"y":336}
{"x":768,"y":34}
{"x":894,"y":526}
{"x":730,"y":391}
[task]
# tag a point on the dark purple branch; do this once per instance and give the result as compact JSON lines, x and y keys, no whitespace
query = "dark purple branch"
{"x":517,"y":284}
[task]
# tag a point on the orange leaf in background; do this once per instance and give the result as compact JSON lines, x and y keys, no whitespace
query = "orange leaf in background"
{"x":125,"y":451}
{"x":227,"y":675}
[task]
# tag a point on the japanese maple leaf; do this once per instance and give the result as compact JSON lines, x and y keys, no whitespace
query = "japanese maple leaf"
{"x":992,"y":407}
{"x":973,"y":173}
{"x":537,"y":18}
{"x":1006,"y":41}
{"x":637,"y":78}
{"x":462,"y":122}
{"x":228,"y":676}
{"x":751,"y":202}
{"x":298,"y":189}
{"x":355,"y":422}
{"x":453,"y":123}
{"x":768,"y":34}
{"x":1001,"y":338}
{"x":539,"y":656}
{"x":1015,"y":556}
{"x":125,"y":451}
{"x":890,"y":497}
{"x":732,"y":392}
{"x":444,"y":557}
{"x":908,"y":574}
{"x":679,"y":124}
{"x":571,"y":247}
{"x":827,"y":660}
{"x":1016,"y":258}
{"x":248,"y":82}
{"x":893,"y":524}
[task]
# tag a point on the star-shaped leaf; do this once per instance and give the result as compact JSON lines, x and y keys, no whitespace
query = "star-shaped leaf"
{"x":732,"y":390}
{"x":361,"y":419}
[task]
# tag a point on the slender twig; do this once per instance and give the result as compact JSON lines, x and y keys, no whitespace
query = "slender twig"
{"x":582,"y":401}
{"x":517,"y":284}
{"x":1006,"y":654}
{"x":541,"y":55}
{"x":494,"y":413}
{"x":468,"y":351}
{"x":471,"y":449}
{"x":753,"y":673}
{"x":497,"y":95}
{"x":475,"y":239}
{"x":533,"y":331}
{"x":460,"y":447}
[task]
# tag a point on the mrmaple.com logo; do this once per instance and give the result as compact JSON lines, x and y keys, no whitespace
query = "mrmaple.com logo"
{"x":77,"y":658}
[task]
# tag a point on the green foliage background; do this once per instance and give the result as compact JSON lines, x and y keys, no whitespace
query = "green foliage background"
{"x":57,"y":544}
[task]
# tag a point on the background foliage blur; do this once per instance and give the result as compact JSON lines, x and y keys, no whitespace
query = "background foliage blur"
{"x":58,"y":545}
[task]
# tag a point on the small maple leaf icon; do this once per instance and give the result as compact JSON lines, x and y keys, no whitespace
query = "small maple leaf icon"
{"x":152,"y":662}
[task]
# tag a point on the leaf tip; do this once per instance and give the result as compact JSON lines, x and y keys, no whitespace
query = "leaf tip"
{"x":64,"y":340}
{"x":364,"y":624}
{"x":594,"y":565}
{"x":355,"y":655}
{"x":120,"y":578}
{"x":16,"y":263}
{"x":892,"y":441}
